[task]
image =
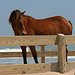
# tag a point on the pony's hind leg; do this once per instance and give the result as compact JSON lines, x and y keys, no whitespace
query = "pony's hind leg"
{"x":66,"y":53}
{"x":24,"y":54}
{"x":34,"y":53}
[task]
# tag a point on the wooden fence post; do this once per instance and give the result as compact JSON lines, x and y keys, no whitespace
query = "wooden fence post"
{"x":43,"y":57}
{"x":61,"y":52}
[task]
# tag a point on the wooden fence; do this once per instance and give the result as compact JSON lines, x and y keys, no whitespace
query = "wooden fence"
{"x":60,"y":40}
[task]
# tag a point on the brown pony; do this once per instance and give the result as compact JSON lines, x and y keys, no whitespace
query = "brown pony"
{"x":27,"y":25}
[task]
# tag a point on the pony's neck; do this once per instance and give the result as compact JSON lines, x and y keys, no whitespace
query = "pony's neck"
{"x":28,"y":17}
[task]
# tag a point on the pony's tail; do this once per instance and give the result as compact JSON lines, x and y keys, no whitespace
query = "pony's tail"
{"x":72,"y":27}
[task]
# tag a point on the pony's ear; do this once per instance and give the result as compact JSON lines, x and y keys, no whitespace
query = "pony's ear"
{"x":23,"y":12}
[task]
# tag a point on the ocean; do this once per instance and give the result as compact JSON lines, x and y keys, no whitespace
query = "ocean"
{"x":30,"y":60}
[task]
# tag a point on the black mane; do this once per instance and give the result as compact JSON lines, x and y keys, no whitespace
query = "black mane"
{"x":13,"y":13}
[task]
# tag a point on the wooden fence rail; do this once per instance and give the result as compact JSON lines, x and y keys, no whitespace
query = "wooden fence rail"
{"x":29,"y":54}
{"x":34,"y":40}
{"x":60,"y":40}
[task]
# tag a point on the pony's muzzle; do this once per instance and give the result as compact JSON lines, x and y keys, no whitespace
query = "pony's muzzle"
{"x":23,"y":33}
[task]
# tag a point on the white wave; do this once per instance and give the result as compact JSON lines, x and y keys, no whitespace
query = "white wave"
{"x":70,"y":57}
{"x":14,"y":50}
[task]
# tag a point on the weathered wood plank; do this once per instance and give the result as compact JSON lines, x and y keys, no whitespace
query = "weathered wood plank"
{"x":42,"y":57}
{"x":27,"y":68}
{"x":38,"y":40}
{"x":70,"y":39}
{"x":71,"y":53}
{"x":61,"y":52}
{"x":10,"y":54}
{"x":33,"y":68}
{"x":70,"y":66}
{"x":29,"y":54}
{"x":27,"y":40}
{"x":34,"y":40}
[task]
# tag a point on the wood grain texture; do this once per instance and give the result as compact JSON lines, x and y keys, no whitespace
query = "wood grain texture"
{"x":60,"y":40}
{"x":43,"y":56}
{"x":27,"y":40}
{"x":27,"y":68}
{"x":34,"y":40}
{"x":33,"y":68}
{"x":29,"y":54}
{"x":70,"y":39}
{"x":62,"y":52}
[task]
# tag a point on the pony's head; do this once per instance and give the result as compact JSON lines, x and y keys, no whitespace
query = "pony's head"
{"x":15,"y":20}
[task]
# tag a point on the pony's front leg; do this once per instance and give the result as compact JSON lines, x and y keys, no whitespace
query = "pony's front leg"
{"x":24,"y":54}
{"x":34,"y":53}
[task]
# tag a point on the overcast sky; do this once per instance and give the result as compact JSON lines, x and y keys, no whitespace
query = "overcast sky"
{"x":38,"y":9}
